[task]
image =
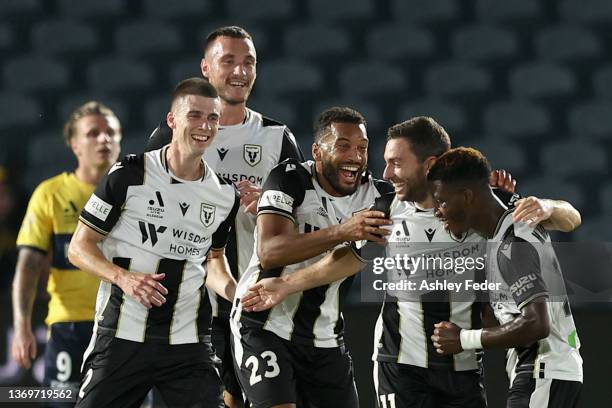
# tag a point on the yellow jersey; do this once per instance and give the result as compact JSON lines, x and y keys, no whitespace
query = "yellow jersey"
{"x":48,"y":225}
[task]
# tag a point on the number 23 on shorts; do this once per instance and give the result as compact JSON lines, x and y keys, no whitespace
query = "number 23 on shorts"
{"x":270,"y":370}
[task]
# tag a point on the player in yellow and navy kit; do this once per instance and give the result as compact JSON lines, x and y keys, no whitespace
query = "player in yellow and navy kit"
{"x":93,"y":133}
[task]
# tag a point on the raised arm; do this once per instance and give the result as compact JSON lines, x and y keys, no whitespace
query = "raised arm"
{"x":555,"y":215}
{"x":279,"y":243}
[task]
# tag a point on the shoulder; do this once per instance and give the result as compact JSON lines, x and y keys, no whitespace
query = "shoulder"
{"x":292,"y":169}
{"x":50,"y":186}
{"x":129,"y":171}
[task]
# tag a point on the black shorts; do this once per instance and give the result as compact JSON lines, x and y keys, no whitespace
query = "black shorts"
{"x":64,"y":355}
{"x":527,"y":391}
{"x":221,"y":334}
{"x":408,"y":386}
{"x":119,"y":373}
{"x":274,"y":371}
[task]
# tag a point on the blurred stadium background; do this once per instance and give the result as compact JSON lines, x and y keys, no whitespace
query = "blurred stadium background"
{"x":529,"y":82}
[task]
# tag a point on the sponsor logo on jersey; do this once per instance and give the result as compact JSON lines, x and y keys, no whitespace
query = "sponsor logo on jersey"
{"x":430,"y":232}
{"x":98,"y":207}
{"x":276,"y":199}
{"x":207,"y":214}
{"x":148,"y":230}
{"x":402,"y":233}
{"x":252,"y":154}
{"x":234,"y":178}
{"x":71,"y":212}
{"x":222,"y":152}
{"x":523,"y":284}
{"x":184,"y":207}
{"x":156,"y":208}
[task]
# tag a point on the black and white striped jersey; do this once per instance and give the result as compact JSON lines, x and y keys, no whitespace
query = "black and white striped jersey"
{"x":404,"y":328}
{"x":523,"y":261}
{"x":154,"y":222}
{"x":247,"y":151}
{"x":312,"y":317}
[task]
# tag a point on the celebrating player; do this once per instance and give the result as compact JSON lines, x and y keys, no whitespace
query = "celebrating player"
{"x":544,"y":365}
{"x":247,"y":147}
{"x":93,"y":133}
{"x":146,"y":231}
{"x":408,"y":371}
{"x":296,"y":350}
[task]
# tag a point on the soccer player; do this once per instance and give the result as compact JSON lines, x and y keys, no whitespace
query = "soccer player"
{"x":408,"y":372}
{"x":93,"y":133}
{"x":248,"y":146}
{"x":146,"y":231}
{"x":544,"y":365}
{"x":296,"y":350}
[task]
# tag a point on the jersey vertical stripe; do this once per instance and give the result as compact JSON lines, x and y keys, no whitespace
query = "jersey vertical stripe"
{"x":312,"y":317}
{"x":404,"y":328}
{"x":154,"y":222}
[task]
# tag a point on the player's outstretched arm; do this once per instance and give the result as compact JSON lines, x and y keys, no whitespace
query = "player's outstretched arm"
{"x":555,"y":215}
{"x":269,"y":292}
{"x":31,"y":264}
{"x":85,"y":254}
{"x":218,"y":276}
{"x":280,"y":244}
{"x":530,"y":326}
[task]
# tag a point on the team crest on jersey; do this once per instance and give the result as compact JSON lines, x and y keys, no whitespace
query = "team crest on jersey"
{"x":207,"y":214}
{"x":252,"y":154}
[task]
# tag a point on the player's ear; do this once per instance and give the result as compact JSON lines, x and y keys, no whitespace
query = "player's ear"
{"x":316,"y":151}
{"x":429,"y":162}
{"x":74,"y":146}
{"x":204,"y":67}
{"x":170,"y":120}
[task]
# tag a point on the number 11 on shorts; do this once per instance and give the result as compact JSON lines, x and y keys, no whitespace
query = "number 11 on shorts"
{"x":387,"y":400}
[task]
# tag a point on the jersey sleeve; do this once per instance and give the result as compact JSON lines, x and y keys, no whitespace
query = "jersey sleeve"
{"x":519,"y":264}
{"x":283,"y":190}
{"x":221,"y":235}
{"x":290,"y":148}
{"x":161,"y":136}
{"x":37,"y":227}
{"x":507,"y":198}
{"x":104,"y":207}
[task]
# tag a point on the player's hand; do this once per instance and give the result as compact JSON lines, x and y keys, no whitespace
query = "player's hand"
{"x":502,"y":180}
{"x":532,"y":210}
{"x":365,"y":226}
{"x":249,"y":194}
{"x":264,"y":295}
{"x":144,"y":288}
{"x":23,"y":348}
{"x":446,"y":338}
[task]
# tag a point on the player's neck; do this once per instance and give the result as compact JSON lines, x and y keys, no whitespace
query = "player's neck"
{"x":90,"y":175}
{"x":183,"y":165}
{"x":489,"y":213}
{"x":232,"y":114}
{"x":427,"y":203}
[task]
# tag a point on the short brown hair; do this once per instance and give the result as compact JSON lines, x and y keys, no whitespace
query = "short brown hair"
{"x":87,"y":109}
{"x":426,"y":136}
{"x":226,"y":31}
{"x":194,"y":86}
